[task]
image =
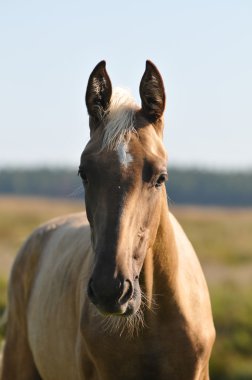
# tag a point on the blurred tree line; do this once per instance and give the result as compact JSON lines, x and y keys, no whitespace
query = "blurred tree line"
{"x":205,"y":187}
{"x":185,"y":186}
{"x":41,"y":182}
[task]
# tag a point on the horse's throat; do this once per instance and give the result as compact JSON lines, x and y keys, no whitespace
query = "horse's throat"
{"x":161,"y":263}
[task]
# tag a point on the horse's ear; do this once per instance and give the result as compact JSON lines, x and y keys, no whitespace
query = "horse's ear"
{"x":99,"y":91}
{"x":152,"y":93}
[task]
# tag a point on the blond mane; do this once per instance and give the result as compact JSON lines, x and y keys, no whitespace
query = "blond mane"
{"x":120,"y":119}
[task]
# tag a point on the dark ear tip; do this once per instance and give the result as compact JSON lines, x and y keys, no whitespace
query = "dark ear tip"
{"x":102,"y":63}
{"x":151,"y":66}
{"x":148,"y":63}
{"x":100,"y":66}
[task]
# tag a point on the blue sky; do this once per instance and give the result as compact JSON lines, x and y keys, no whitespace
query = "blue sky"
{"x":202,"y":48}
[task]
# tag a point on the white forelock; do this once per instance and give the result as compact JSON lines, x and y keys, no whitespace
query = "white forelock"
{"x":120,"y":119}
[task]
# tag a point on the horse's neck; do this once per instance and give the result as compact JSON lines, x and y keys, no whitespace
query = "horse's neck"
{"x":162,"y":262}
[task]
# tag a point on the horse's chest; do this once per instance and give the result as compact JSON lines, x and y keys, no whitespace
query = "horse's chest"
{"x":147,"y":358}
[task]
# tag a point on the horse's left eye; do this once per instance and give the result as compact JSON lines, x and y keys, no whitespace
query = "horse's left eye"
{"x":161,"y":179}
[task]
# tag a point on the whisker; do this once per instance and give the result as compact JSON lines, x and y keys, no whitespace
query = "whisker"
{"x":130,"y":326}
{"x":76,"y":192}
{"x":150,"y":304}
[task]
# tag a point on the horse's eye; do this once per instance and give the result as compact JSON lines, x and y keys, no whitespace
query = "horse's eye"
{"x":161,"y":179}
{"x":83,"y":175}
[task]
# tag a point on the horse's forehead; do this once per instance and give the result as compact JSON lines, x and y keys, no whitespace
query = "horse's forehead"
{"x":134,"y":148}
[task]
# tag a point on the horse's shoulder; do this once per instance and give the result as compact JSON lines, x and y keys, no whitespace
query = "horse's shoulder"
{"x":69,"y":221}
{"x":72,"y":227}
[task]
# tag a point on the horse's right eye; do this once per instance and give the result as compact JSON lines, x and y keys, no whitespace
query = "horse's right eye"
{"x":83,"y":175}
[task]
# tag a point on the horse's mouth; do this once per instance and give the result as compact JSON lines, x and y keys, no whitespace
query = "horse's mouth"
{"x":120,"y":310}
{"x":128,"y":309}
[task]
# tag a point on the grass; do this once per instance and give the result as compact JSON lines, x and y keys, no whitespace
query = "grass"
{"x":223,"y":241}
{"x":219,"y":234}
{"x":232,"y":308}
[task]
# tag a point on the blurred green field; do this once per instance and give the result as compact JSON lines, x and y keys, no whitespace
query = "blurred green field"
{"x":223,"y":241}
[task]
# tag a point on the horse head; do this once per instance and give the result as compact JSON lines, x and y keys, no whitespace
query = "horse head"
{"x":123,"y":169}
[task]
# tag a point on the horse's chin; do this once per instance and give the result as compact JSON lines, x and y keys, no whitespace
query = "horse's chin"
{"x":133,"y":306}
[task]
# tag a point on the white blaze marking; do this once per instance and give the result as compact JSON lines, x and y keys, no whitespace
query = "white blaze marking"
{"x":124,"y":156}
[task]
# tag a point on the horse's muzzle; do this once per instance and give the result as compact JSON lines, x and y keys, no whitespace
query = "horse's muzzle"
{"x":112,"y":297}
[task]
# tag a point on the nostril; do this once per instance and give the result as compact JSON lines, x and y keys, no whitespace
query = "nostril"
{"x":127,"y":292}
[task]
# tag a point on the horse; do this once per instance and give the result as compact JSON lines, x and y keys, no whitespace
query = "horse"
{"x":115,"y":292}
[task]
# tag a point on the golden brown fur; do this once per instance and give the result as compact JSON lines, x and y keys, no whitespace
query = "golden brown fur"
{"x":122,"y":297}
{"x":47,"y":291}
